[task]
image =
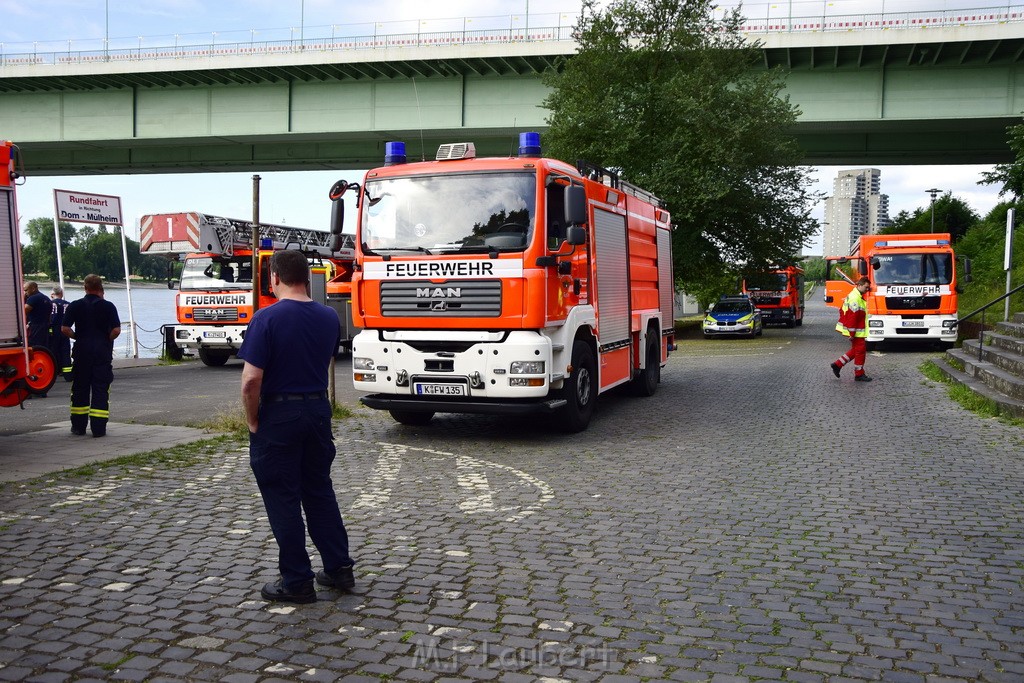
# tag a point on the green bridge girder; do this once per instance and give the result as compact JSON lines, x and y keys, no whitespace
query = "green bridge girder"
{"x":870,"y":97}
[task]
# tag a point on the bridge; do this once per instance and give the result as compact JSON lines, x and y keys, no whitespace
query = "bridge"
{"x":896,"y":88}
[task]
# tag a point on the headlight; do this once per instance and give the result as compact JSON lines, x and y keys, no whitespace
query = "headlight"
{"x":364,"y":376}
{"x":362,"y":364}
{"x":876,"y":323}
{"x":949,"y":323}
{"x":526,"y":367}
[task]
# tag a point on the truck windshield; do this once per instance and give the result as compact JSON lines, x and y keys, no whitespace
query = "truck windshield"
{"x":914,"y":269}
{"x":767,"y":282}
{"x":206,"y":273}
{"x":448,"y":214}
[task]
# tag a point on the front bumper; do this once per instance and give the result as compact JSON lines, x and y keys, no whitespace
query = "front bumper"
{"x":227,"y":337}
{"x":493,"y":407}
{"x":897,"y":328}
{"x":448,"y":369}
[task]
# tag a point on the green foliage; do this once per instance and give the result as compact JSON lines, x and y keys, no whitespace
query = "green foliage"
{"x":814,"y":269}
{"x":89,"y":249}
{"x":707,"y":290}
{"x":666,"y":94}
{"x":984,"y":244}
{"x":1010,"y":176}
{"x":952,"y":215}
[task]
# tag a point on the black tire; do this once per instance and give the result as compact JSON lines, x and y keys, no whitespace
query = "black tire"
{"x":646,"y":383}
{"x":579,"y":390}
{"x":412,"y":418}
{"x":760,"y":330}
{"x":213,"y":358}
{"x":800,"y":320}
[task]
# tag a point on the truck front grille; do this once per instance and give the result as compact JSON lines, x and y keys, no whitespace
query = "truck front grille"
{"x":215,"y":315}
{"x":454,"y":298}
{"x":910,"y":303}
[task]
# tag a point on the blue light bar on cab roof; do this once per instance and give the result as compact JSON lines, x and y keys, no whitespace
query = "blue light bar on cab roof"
{"x":529,"y":144}
{"x":394,"y":153}
{"x":913,"y":243}
{"x":266,"y":243}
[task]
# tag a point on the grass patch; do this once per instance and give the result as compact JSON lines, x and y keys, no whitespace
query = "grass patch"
{"x":976,"y":403}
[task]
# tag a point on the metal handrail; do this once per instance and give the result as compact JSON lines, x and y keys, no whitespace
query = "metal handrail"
{"x":981,"y":334}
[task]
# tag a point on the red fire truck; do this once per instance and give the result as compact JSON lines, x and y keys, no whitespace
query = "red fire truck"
{"x":778,"y":293}
{"x":24,"y":370}
{"x":914,"y":286}
{"x":506,"y":285}
{"x":215,"y":298}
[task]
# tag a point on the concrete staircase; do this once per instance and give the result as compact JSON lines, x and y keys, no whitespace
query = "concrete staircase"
{"x":995,"y":371}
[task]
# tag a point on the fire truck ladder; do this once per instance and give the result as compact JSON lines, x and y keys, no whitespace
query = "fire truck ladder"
{"x":225,"y":235}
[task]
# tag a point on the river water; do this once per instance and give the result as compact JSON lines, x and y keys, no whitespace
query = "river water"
{"x":152,"y":306}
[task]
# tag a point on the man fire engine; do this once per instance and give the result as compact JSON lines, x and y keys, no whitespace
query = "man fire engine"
{"x":215,"y":298}
{"x":506,"y":285}
{"x":24,"y":370}
{"x":914,"y":287}
{"x":778,"y":293}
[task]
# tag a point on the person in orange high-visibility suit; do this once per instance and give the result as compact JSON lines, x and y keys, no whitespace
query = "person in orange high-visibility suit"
{"x":853,"y":323}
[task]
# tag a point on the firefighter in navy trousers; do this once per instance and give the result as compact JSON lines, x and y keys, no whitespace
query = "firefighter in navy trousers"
{"x":94,"y":324}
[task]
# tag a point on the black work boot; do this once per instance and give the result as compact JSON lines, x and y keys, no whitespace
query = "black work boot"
{"x":302,"y":593}
{"x":342,"y":579}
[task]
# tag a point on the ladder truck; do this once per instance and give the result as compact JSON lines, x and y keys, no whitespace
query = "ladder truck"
{"x":24,"y":370}
{"x":215,"y":290}
{"x":514,"y":285}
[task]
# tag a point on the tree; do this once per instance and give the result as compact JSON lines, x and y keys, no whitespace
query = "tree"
{"x":668,"y":96}
{"x":952,"y":215}
{"x":41,"y":255}
{"x":1010,"y":176}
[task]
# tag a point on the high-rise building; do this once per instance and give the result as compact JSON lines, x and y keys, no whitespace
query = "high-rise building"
{"x":855,"y":208}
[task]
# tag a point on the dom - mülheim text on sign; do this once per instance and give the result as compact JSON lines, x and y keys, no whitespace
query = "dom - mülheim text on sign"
{"x":81,"y":207}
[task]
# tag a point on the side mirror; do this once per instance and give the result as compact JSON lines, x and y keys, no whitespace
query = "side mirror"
{"x":876,"y":264}
{"x":576,"y":235}
{"x":575,"y":206}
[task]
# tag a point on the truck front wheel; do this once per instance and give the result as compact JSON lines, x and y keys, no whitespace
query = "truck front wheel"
{"x":579,"y":390}
{"x":214,"y":358}
{"x":412,"y":418}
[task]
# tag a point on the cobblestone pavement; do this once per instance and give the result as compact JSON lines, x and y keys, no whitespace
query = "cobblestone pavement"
{"x":756,"y":519}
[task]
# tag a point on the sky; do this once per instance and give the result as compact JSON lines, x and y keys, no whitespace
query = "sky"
{"x":299,"y":198}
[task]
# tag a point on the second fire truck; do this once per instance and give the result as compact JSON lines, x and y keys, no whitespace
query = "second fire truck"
{"x":215,"y":292}
{"x":914,"y":286}
{"x":512,"y":285}
{"x":779,"y":294}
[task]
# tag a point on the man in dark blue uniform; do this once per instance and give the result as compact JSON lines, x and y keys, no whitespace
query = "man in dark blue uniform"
{"x":287,"y":352}
{"x":60,"y":344}
{"x":37,"y":315}
{"x":94,"y":324}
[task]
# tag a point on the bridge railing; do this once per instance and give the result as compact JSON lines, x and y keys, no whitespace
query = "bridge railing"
{"x":190,"y":47}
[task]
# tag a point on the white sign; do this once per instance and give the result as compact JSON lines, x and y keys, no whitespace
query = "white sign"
{"x":79,"y":207}
{"x":443,"y":270}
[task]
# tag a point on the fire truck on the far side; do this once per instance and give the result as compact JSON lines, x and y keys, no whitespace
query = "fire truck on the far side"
{"x":778,"y":293}
{"x":24,"y":370}
{"x":215,"y":297}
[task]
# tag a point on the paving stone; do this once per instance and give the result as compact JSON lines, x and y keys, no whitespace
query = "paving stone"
{"x":643,"y":548}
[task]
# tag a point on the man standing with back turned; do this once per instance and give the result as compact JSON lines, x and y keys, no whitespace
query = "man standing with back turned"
{"x":287,"y":352}
{"x":96,"y":324}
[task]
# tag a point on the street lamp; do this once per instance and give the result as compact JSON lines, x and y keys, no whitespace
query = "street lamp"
{"x":933,"y":192}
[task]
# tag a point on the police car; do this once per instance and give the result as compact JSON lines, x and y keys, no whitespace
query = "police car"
{"x":733,"y":316}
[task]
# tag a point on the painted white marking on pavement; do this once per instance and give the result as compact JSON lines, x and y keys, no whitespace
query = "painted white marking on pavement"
{"x":378,"y":487}
{"x":474,"y":484}
{"x":470,"y":474}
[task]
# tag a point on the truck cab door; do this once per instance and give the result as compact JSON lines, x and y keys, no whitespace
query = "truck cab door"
{"x":838,"y":284}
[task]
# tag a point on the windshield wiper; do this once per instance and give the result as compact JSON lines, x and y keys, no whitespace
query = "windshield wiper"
{"x":421,"y":250}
